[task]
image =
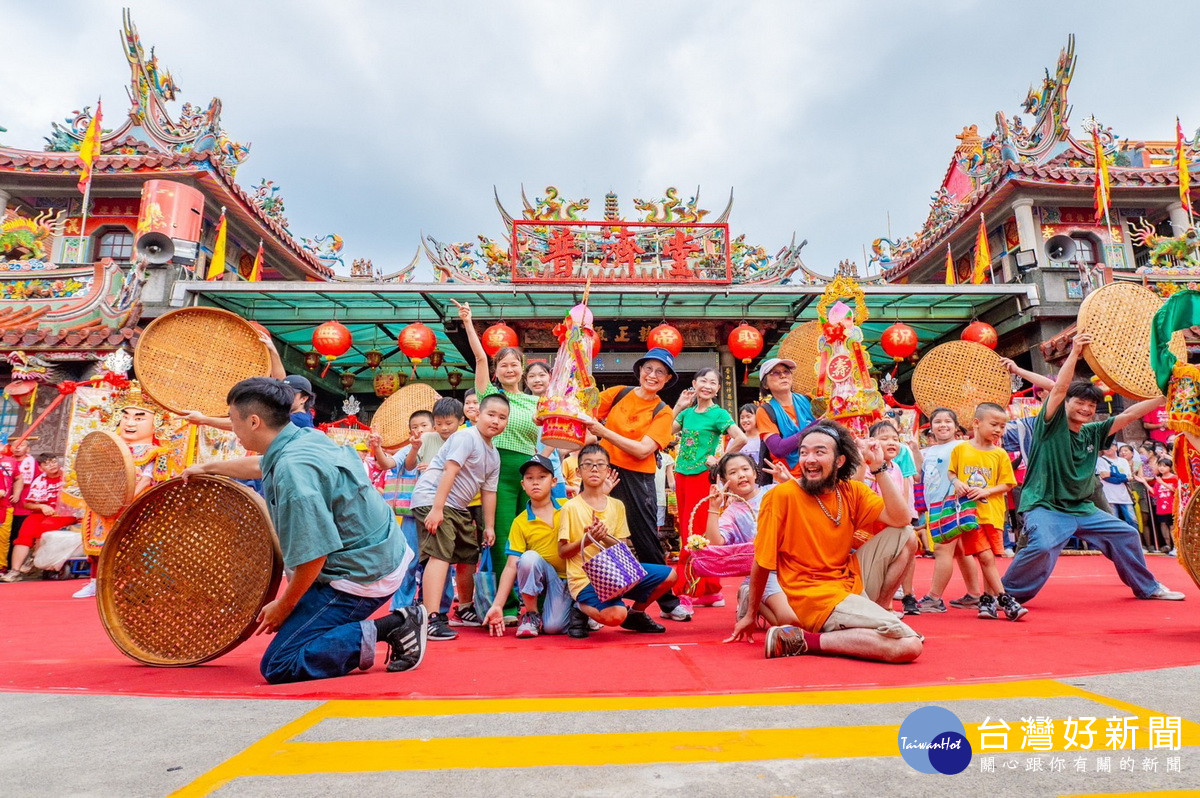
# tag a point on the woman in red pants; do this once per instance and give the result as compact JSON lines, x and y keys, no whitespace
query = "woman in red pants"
{"x":700,"y":424}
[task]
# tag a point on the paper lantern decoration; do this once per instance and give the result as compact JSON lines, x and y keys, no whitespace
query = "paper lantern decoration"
{"x":332,"y":339}
{"x":497,"y":337}
{"x":981,"y":333}
{"x":664,"y":336}
{"x":374,"y":359}
{"x":312,"y":361}
{"x":418,"y":342}
{"x":454,"y":378}
{"x":745,"y":342}
{"x":899,"y":341}
{"x":401,"y":379}
{"x":386,"y":384}
{"x":436,"y":358}
{"x":347,"y":379}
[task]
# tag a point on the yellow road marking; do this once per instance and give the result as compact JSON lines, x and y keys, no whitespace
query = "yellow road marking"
{"x":278,"y":754}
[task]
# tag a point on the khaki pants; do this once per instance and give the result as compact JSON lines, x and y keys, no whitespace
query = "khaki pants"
{"x":860,"y":610}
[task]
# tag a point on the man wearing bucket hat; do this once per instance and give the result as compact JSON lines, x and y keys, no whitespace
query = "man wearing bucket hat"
{"x":632,"y":424}
{"x":783,"y":413}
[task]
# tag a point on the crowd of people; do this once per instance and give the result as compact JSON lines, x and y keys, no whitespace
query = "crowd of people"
{"x":835,"y":523}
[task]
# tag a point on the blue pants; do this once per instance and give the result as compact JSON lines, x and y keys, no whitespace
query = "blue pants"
{"x":328,"y":634}
{"x":1049,"y":530}
{"x":406,"y":596}
{"x":1125,"y":513}
{"x":536,"y":577}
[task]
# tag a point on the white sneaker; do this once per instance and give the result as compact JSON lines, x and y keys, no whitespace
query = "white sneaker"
{"x":1166,"y":594}
{"x":1009,"y":553}
{"x":87,"y":591}
{"x":594,"y":626}
{"x":680,"y":613}
{"x":899,"y":594}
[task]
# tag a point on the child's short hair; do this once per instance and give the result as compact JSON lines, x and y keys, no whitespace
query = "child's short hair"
{"x":988,"y":407}
{"x":879,"y":426}
{"x":448,"y":407}
{"x":420,"y":414}
{"x":593,"y":448}
{"x":493,"y":398}
{"x":45,"y":457}
{"x":953,"y":415}
{"x":468,"y":394}
{"x":719,"y":469}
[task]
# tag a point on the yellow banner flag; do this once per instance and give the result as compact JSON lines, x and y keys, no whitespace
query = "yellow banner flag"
{"x":949,"y":267}
{"x":89,"y":149}
{"x":1103,"y":186}
{"x":256,"y":269}
{"x":216,"y":266}
{"x":1181,"y":163}
{"x":983,"y":256}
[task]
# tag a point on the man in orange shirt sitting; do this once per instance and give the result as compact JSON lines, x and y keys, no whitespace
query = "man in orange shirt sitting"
{"x":817,"y":532}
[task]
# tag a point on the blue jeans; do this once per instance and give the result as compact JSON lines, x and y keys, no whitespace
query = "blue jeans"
{"x":1125,"y":513}
{"x":327,"y":634}
{"x":536,"y":577}
{"x":406,"y":596}
{"x":1048,"y":531}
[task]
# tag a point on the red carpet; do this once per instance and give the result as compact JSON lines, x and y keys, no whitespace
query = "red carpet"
{"x":1084,"y":622}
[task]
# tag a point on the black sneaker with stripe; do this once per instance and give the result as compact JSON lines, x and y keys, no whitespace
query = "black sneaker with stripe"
{"x":406,"y":643}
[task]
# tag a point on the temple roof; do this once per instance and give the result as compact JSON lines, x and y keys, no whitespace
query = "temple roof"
{"x":199,"y":165}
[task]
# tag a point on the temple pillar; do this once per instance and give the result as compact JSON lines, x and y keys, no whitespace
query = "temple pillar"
{"x":4,"y":198}
{"x":1179,"y":218}
{"x":1028,"y":232}
{"x":727,"y":366}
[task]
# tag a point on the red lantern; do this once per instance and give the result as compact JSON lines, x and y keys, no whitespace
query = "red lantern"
{"x":497,"y":337}
{"x":664,"y":336}
{"x":332,"y":339}
{"x":417,"y":341}
{"x":386,"y":384}
{"x":436,"y":358}
{"x":374,"y":359}
{"x":347,"y":380}
{"x":899,"y":341}
{"x":312,"y":361}
{"x":981,"y":333}
{"x":745,"y":342}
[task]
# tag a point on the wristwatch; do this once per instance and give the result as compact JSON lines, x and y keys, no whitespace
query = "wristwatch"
{"x":879,"y":470}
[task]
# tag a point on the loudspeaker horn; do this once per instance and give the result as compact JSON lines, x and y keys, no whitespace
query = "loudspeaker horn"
{"x":169,"y":221}
{"x":1060,"y":248}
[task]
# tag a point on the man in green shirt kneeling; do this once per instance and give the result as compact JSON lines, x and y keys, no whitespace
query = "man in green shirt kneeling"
{"x":341,"y":544}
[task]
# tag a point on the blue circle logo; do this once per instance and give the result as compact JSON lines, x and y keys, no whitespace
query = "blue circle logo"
{"x":934,"y":740}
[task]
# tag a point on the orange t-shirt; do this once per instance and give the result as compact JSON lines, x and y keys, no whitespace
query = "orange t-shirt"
{"x":633,"y":417}
{"x":810,"y":556}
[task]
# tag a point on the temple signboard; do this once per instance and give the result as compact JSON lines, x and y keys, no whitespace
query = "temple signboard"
{"x":624,"y":252}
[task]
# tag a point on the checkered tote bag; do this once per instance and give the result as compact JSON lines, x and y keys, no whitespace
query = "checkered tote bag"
{"x":613,"y":571}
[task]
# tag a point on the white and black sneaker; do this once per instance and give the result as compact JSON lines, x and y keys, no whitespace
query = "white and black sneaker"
{"x":406,"y":643}
{"x":439,"y":628}
{"x":987,"y":607}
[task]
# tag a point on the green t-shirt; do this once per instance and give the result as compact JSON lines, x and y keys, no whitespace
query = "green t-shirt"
{"x":700,"y":435}
{"x":1062,"y":464}
{"x":520,"y":434}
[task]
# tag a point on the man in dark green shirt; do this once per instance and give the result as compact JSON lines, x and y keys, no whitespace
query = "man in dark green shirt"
{"x":1057,"y":495}
{"x":341,"y":544}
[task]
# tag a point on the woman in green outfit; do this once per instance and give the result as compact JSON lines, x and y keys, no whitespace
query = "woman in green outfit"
{"x":516,"y":444}
{"x":701,"y":424}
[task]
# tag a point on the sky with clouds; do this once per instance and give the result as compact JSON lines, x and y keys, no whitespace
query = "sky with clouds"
{"x":380,"y":120}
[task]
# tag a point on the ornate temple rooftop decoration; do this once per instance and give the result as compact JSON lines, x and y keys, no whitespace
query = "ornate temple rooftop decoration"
{"x":149,"y":122}
{"x":670,"y":240}
{"x":1041,"y":150}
